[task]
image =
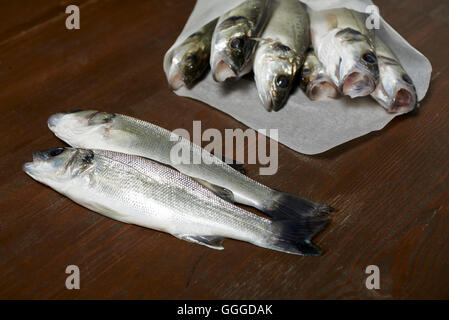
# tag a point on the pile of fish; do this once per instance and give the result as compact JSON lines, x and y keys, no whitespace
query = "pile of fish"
{"x":331,"y":53}
{"x":121,"y":167}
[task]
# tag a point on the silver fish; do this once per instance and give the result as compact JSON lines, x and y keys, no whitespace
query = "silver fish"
{"x":232,"y":44}
{"x":190,"y":59}
{"x":395,"y":90}
{"x":115,"y":132}
{"x":344,"y":46}
{"x":139,"y":191}
{"x":314,"y":80}
{"x":281,"y":52}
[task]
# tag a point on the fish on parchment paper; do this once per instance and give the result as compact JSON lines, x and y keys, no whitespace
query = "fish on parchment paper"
{"x":139,"y":191}
{"x":315,"y":82}
{"x":345,"y":47}
{"x":115,"y":132}
{"x":233,"y":45}
{"x":395,"y":90}
{"x":190,"y":59}
{"x":281,"y":52}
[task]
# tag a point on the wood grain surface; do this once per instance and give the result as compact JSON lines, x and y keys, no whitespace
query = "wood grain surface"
{"x":390,"y":187}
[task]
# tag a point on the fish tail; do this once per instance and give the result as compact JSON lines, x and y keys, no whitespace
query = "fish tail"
{"x":284,"y":205}
{"x":295,"y":236}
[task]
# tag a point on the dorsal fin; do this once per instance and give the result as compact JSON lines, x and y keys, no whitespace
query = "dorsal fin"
{"x":232,"y":163}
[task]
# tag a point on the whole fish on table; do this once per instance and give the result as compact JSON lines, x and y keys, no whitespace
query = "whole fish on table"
{"x":314,"y":80}
{"x":344,"y":46}
{"x":139,"y":191}
{"x":281,"y":52}
{"x":190,"y":59}
{"x":115,"y":132}
{"x":233,"y":45}
{"x":395,"y":90}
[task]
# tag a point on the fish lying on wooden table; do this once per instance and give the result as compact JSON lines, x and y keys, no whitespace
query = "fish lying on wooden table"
{"x":139,"y":191}
{"x":92,"y":129}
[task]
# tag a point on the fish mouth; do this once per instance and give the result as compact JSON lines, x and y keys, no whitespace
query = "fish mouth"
{"x":273,"y":103}
{"x":54,"y":120}
{"x":358,"y":84}
{"x":278,"y":102}
{"x":223,"y":72}
{"x":31,"y":169}
{"x":176,"y":81}
{"x":267,"y":104}
{"x":265,"y":98}
{"x":404,"y":101}
{"x":322,"y":90}
{"x":28,"y":167}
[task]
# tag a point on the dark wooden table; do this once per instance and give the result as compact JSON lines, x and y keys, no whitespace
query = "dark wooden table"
{"x":390,"y":187}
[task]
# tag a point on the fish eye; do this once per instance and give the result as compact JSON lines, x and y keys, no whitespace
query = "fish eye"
{"x":407,"y":79}
{"x":283,"y":48}
{"x":56,"y":152}
{"x":191,"y":59}
{"x":306,"y":70}
{"x":237,"y":43}
{"x":369,"y":58}
{"x":282,"y":81}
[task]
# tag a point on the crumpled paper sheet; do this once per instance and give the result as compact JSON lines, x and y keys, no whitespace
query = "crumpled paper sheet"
{"x":304,"y":126}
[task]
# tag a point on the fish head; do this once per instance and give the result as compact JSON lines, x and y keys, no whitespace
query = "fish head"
{"x":188,"y":64}
{"x":314,"y":80}
{"x":395,"y":90}
{"x":276,"y":68}
{"x":58,"y":166}
{"x":357,"y":70}
{"x":79,"y":127}
{"x":232,"y":48}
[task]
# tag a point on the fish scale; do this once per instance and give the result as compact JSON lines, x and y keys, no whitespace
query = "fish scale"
{"x":242,"y":24}
{"x":314,"y":80}
{"x":344,"y":46}
{"x":139,"y":191}
{"x":114,"y":132}
{"x":281,"y":52}
{"x":188,"y":201}
{"x":395,"y":90}
{"x":190,"y":60}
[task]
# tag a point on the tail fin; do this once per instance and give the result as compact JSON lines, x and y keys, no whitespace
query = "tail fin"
{"x":286,"y":206}
{"x":295,"y":236}
{"x":296,"y":221}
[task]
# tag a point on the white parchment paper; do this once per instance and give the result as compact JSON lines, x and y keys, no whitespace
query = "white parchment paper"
{"x":309,"y":127}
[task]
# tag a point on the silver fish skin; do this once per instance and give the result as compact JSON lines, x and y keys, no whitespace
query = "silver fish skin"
{"x":344,"y":46}
{"x":139,"y":191}
{"x":115,"y":132}
{"x":233,"y":48}
{"x":314,"y":80}
{"x":395,"y":90}
{"x":190,"y":59}
{"x":281,"y":52}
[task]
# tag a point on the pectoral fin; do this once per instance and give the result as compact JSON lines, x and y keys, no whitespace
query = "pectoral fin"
{"x":212,"y":242}
{"x":223,"y":193}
